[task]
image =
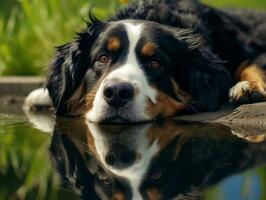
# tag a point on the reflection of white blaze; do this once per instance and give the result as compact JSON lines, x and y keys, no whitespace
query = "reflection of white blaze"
{"x":129,"y":72}
{"x":135,"y":173}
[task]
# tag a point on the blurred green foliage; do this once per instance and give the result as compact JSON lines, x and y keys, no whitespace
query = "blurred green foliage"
{"x":254,"y":4}
{"x":33,"y":27}
{"x":29,"y":29}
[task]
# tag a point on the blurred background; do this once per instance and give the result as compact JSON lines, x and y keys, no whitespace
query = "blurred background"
{"x":29,"y":29}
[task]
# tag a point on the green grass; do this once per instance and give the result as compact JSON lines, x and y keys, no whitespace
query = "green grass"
{"x":34,"y":27}
{"x":255,"y":4}
{"x":29,"y":29}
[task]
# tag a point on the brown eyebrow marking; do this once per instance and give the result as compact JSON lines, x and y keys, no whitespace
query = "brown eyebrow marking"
{"x":113,"y":43}
{"x":148,"y":49}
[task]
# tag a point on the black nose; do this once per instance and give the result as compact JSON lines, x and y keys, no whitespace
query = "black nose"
{"x":120,"y":156}
{"x":118,"y":94}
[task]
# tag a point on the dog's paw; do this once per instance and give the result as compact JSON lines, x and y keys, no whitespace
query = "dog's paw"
{"x":246,"y":92}
{"x":38,"y":99}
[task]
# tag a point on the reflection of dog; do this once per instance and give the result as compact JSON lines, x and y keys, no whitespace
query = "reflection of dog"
{"x":157,"y":59}
{"x":152,"y":162}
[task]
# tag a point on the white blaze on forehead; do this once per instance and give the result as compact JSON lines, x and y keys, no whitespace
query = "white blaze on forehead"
{"x":130,"y":72}
{"x":133,"y":34}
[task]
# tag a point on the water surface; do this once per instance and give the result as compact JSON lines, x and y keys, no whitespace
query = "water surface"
{"x":67,"y":158}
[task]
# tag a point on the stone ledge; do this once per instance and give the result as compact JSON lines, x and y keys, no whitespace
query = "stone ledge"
{"x":19,"y":85}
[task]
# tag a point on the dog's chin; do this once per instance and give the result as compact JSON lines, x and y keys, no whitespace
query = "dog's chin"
{"x":119,"y":119}
{"x":130,"y":114}
{"x":115,"y":118}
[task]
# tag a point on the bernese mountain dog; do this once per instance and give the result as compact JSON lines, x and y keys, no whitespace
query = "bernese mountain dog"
{"x":157,"y":59}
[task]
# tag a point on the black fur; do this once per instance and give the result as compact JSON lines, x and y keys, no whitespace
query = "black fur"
{"x":70,"y":64}
{"x":217,"y":42}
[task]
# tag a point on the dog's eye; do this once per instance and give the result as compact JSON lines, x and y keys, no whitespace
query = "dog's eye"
{"x":156,"y":176}
{"x":103,"y":59}
{"x":155,"y":63}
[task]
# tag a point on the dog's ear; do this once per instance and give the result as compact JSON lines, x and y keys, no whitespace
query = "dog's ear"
{"x":208,"y":80}
{"x":200,"y":72}
{"x":70,"y":64}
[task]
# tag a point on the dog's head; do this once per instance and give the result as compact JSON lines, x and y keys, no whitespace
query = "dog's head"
{"x":133,"y":70}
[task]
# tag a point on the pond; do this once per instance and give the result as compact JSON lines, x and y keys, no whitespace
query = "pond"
{"x":42,"y":157}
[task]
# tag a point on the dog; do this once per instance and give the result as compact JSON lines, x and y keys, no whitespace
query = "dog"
{"x":156,"y":59}
{"x":172,"y":160}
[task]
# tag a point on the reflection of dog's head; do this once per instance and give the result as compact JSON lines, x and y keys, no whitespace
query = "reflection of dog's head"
{"x":146,"y":161}
{"x":131,"y":71}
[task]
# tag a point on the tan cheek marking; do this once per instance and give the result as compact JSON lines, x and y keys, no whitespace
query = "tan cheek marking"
{"x":113,"y":44}
{"x":76,"y":104}
{"x":165,"y":106}
{"x":80,"y":102}
{"x":163,"y":134}
{"x":89,"y":99}
{"x":80,"y":137}
{"x":91,"y":147}
{"x":182,"y":95}
{"x":153,"y":194}
{"x":148,"y":49}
